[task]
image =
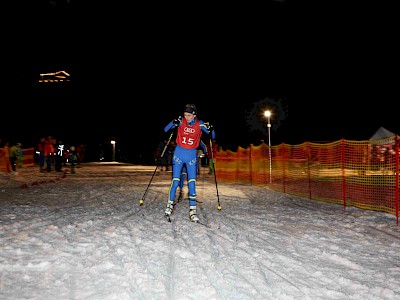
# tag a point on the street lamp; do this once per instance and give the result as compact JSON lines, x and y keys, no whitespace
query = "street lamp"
{"x":113,"y":154}
{"x":267,"y":113}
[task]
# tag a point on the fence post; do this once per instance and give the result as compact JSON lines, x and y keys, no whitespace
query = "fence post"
{"x":397,"y":178}
{"x":342,"y":146}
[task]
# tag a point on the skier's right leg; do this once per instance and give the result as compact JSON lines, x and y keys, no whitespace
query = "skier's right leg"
{"x":172,"y":191}
{"x":176,"y":171}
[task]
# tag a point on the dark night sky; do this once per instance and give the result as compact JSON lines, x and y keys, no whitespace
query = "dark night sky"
{"x":133,"y":70}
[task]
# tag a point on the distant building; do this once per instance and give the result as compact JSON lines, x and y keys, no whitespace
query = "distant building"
{"x":60,"y":76}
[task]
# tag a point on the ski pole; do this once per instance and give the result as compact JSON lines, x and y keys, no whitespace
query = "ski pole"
{"x":215,"y":171}
{"x":155,"y":170}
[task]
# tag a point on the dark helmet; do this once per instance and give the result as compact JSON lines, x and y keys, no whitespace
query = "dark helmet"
{"x":191,"y":109}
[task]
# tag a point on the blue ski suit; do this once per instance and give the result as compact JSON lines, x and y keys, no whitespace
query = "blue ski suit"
{"x":187,"y":142}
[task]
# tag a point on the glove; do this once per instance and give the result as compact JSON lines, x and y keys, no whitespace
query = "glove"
{"x":208,"y":126}
{"x":177,"y":121}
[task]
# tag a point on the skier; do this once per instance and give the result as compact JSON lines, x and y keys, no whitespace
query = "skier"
{"x":189,"y":131}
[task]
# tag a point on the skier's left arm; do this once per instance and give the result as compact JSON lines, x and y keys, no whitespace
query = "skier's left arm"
{"x":207,"y":128}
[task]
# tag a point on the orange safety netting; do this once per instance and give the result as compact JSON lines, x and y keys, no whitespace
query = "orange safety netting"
{"x":28,"y":156}
{"x":362,"y":174}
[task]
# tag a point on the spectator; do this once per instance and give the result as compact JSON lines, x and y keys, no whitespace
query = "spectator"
{"x":73,"y":158}
{"x":48,"y":153}
{"x":13,"y":157}
{"x":66,"y":158}
{"x":20,"y":156}
{"x":59,"y":157}
{"x":80,"y":151}
{"x":40,"y":151}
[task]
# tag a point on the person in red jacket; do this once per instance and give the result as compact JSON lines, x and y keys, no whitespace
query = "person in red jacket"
{"x":48,"y":153}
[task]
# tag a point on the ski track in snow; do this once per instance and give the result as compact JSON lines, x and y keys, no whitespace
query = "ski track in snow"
{"x":86,"y":237}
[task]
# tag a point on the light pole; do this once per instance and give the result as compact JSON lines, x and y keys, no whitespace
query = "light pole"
{"x":267,"y":113}
{"x":113,"y":154}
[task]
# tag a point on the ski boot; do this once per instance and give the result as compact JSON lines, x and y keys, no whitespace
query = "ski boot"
{"x":169,"y":209}
{"x":192,"y":214}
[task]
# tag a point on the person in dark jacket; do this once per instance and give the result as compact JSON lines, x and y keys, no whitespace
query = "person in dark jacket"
{"x":40,"y":151}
